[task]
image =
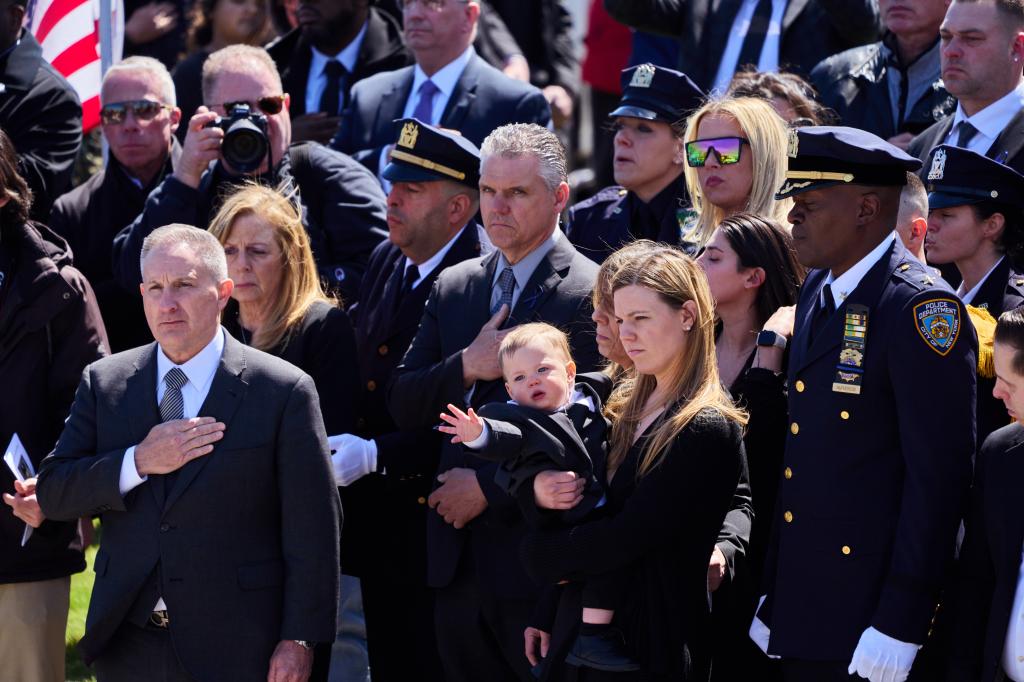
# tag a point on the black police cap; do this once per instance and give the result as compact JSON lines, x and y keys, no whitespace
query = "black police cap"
{"x":822,"y":156}
{"x":957,"y":177}
{"x":657,"y":94}
{"x":424,"y":153}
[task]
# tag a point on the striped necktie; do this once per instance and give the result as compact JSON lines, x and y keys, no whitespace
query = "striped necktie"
{"x":173,"y":405}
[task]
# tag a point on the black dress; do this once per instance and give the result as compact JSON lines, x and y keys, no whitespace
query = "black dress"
{"x":323,"y":346}
{"x":661,"y":529}
{"x":762,"y":393}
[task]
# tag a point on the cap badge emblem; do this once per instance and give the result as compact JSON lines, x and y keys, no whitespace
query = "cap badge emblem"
{"x":642,"y":77}
{"x":938,"y":168}
{"x":410,"y":131}
{"x":794,"y":144}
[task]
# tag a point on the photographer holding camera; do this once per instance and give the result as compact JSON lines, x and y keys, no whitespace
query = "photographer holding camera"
{"x":244,"y":133}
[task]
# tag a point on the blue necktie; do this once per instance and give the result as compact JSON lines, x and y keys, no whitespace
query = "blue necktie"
{"x":425,"y":107}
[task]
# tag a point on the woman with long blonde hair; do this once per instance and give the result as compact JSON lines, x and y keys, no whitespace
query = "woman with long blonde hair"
{"x":735,"y":162}
{"x":278,"y":305}
{"x":675,"y":458}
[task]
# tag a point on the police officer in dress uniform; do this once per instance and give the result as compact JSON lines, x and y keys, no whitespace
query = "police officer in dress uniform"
{"x":976,"y":222}
{"x":650,"y":201}
{"x":431,"y":209}
{"x":875,"y":475}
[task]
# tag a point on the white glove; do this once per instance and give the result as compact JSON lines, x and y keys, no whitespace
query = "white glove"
{"x":353,"y":457}
{"x":759,"y":632}
{"x":880,"y":658}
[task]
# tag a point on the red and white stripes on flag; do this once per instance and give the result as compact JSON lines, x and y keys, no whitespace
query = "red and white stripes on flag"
{"x":69,"y":32}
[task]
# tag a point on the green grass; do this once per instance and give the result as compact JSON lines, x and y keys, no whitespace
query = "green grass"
{"x":81,"y":588}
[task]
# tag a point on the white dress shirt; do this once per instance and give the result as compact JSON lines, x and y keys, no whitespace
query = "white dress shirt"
{"x":968,"y":296}
{"x":316,"y":81}
{"x":199,"y":370}
{"x":429,"y":265}
{"x":1013,"y":649}
{"x":769,"y":60}
{"x":990,"y":121}
{"x":844,"y":285}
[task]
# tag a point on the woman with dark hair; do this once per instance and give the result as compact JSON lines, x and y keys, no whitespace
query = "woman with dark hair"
{"x":754,"y":278}
{"x":976,"y":222}
{"x":650,"y":201}
{"x":793,"y":98}
{"x":50,"y":329}
{"x":675,"y":456}
{"x":214,"y":24}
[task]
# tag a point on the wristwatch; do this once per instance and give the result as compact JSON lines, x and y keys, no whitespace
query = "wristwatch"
{"x":303,"y":643}
{"x":771,"y":339}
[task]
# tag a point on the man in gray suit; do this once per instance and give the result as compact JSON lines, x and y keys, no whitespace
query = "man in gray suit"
{"x":484,"y":597}
{"x":208,"y":463}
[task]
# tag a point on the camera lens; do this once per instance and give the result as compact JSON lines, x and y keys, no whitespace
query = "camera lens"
{"x":245,"y":146}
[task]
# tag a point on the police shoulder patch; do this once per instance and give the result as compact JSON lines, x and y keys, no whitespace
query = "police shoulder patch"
{"x":938,"y":323}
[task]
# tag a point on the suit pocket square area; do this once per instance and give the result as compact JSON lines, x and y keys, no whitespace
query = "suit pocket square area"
{"x":261,"y":576}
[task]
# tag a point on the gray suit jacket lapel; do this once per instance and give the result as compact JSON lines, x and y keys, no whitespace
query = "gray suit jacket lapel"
{"x":226,"y":393}
{"x":140,"y":407}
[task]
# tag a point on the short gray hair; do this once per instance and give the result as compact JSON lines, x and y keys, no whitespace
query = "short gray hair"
{"x":204,"y":245}
{"x":522,"y":139}
{"x":153,"y":67}
{"x":243,"y":58}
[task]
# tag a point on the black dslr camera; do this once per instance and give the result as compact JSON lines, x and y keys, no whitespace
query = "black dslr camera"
{"x":245,"y":138}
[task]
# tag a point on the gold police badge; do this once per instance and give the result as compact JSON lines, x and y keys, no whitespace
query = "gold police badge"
{"x":410,"y":131}
{"x":794,"y":144}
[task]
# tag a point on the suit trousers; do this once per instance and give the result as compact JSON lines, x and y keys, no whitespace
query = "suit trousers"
{"x":480,"y":636}
{"x":140,"y":653}
{"x":794,"y":670}
{"x":33,"y":618}
{"x":400,"y":630}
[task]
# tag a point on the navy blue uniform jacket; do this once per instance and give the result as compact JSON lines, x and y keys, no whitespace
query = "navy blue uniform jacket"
{"x":874,"y":484}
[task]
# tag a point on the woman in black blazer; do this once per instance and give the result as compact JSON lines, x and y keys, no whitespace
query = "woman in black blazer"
{"x":278,"y":306}
{"x":675,"y":457}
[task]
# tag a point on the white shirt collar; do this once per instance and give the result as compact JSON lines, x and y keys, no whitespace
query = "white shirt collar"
{"x":991,"y":120}
{"x":844,"y":285}
{"x":968,"y":297}
{"x":200,"y":368}
{"x":347,"y":56}
{"x":428,"y":266}
{"x":446,"y":78}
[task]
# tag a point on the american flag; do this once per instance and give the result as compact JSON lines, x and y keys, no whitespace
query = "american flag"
{"x":69,"y":32}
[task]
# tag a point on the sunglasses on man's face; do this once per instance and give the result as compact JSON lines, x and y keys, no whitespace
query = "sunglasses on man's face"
{"x":268,"y":105}
{"x":727,"y":149}
{"x":142,"y":110}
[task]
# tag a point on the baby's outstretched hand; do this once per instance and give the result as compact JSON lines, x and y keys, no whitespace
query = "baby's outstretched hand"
{"x":464,"y":427}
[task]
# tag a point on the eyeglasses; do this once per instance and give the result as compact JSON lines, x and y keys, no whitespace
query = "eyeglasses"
{"x":433,"y":5}
{"x":268,"y":105}
{"x":142,"y":109}
{"x":727,"y":149}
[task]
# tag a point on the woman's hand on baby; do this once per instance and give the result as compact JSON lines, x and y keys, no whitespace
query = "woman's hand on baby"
{"x":557,"y":489}
{"x":465,"y":427}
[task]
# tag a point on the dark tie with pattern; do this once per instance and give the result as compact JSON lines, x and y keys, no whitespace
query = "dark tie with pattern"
{"x":507,"y":284}
{"x":965,"y":133}
{"x":753,"y":43}
{"x":425,"y":106}
{"x":172,"y":406}
{"x":331,"y":101}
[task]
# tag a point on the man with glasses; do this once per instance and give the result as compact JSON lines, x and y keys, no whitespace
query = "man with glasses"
{"x":139,"y":117}
{"x":39,"y":110}
{"x":342,"y":204}
{"x":449,"y":86}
